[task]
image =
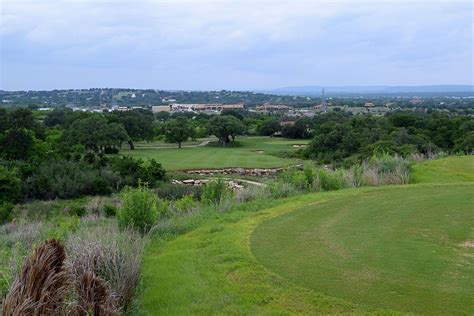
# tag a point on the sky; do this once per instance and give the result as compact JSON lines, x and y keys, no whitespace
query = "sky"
{"x":233,"y":44}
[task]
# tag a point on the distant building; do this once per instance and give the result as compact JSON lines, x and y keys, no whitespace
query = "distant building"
{"x":369,"y":105}
{"x":287,"y":123}
{"x":161,"y":108}
{"x":416,"y":100}
{"x":266,"y":107}
{"x":168,"y":99}
{"x":197,"y":107}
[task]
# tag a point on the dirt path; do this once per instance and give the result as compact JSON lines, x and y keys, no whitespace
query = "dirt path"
{"x":258,"y":184}
{"x":204,"y":143}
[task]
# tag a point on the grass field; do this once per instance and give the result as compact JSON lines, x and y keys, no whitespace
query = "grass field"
{"x":387,"y":250}
{"x":398,"y":248}
{"x":252,"y":152}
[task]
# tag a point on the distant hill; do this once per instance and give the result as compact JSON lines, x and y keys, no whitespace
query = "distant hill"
{"x":433,"y":90}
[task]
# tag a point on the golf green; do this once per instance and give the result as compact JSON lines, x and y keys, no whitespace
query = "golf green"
{"x":408,"y":249}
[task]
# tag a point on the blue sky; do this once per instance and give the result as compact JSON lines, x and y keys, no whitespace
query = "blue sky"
{"x":234,"y":44}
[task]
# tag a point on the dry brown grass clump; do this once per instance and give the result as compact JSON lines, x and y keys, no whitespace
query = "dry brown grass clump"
{"x":93,"y":297}
{"x":42,"y":286}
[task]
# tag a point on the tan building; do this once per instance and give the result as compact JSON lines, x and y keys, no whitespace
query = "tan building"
{"x":197,"y":107}
{"x":273,"y":108}
{"x":161,"y":108}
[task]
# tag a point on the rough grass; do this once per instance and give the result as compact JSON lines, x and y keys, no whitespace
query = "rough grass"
{"x":398,"y":248}
{"x":445,"y":170}
{"x":251,"y":152}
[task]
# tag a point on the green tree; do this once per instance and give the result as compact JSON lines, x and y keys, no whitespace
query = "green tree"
{"x":95,"y":133}
{"x":17,"y":143}
{"x":10,"y":185}
{"x":225,"y":127}
{"x":138,"y":124}
{"x":178,"y":131}
{"x":269,"y":127}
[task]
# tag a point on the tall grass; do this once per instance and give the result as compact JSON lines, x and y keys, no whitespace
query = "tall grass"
{"x":110,"y":254}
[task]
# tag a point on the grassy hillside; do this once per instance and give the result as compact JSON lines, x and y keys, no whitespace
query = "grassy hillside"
{"x":445,"y":170}
{"x":250,"y":152}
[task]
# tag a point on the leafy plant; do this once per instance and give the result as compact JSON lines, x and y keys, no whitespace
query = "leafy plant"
{"x":140,"y":209}
{"x":215,"y":191}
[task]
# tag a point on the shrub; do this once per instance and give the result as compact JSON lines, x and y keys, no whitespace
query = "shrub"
{"x":63,"y":226}
{"x":355,"y":176}
{"x":185,"y":204}
{"x":109,"y":210}
{"x":10,"y":185}
{"x":6,"y":211}
{"x":177,"y":191}
{"x":68,"y":179}
{"x":331,"y":180}
{"x":386,"y":169}
{"x":281,"y":189}
{"x":251,"y":193}
{"x":139,"y":210}
{"x":77,"y":210}
{"x":215,"y":191}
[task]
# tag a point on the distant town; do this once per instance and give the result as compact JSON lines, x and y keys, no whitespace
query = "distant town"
{"x":214,"y":102}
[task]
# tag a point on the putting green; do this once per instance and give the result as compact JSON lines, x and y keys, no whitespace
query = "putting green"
{"x":408,"y":249}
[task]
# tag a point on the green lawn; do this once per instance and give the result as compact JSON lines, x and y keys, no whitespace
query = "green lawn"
{"x":211,"y":270}
{"x":449,"y":169}
{"x":398,"y":248}
{"x":251,"y":152}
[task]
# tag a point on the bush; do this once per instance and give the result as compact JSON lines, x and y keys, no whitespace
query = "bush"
{"x":69,"y":179}
{"x":177,"y":191}
{"x":331,"y":180}
{"x":133,"y":170}
{"x":77,"y":210}
{"x":6,"y":211}
{"x":63,"y":226}
{"x":140,"y":209}
{"x":386,"y":169}
{"x":355,"y":176}
{"x":185,"y":204}
{"x":10,"y":185}
{"x":109,"y":210}
{"x":281,"y":189}
{"x":215,"y":191}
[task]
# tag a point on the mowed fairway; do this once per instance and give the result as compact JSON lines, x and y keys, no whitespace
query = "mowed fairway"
{"x":409,"y":249}
{"x":252,"y":152}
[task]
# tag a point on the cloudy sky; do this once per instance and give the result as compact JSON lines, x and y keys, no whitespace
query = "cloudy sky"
{"x":234,"y":44}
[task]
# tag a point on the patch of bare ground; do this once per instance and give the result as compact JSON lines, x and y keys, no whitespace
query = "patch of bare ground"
{"x":468,"y":244}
